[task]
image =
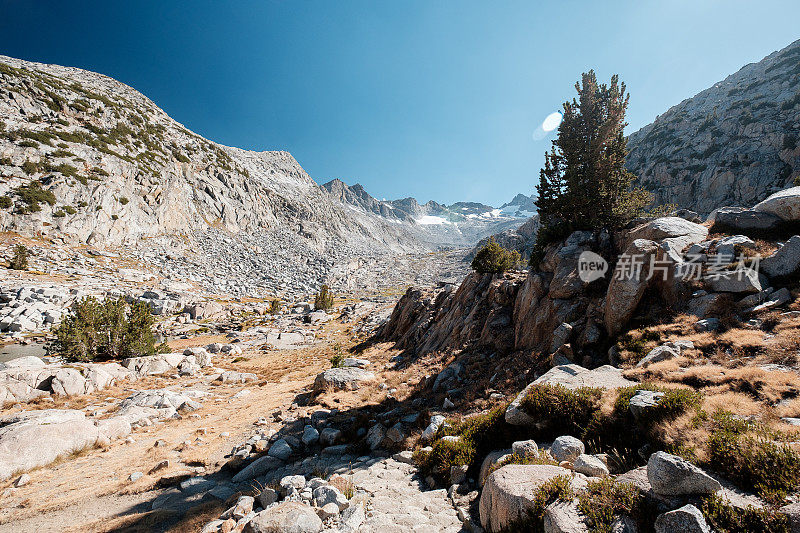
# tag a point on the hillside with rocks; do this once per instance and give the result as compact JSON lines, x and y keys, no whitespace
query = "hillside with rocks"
{"x":730,"y":145}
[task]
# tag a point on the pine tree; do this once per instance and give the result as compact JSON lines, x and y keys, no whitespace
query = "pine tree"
{"x":584,"y":183}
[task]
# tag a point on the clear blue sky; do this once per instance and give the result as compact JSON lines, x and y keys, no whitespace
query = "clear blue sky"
{"x":427,"y":98}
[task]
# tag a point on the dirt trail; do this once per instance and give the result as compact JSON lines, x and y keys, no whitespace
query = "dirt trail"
{"x":88,"y":491}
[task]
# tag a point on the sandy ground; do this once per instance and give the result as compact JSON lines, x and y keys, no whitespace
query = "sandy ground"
{"x":91,"y":490}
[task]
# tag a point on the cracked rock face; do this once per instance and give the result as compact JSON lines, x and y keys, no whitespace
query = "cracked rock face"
{"x":732,"y":144}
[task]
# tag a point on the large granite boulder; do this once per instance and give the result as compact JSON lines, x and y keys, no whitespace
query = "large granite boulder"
{"x":37,"y":438}
{"x":687,"y":519}
{"x":671,"y":475}
{"x":626,"y":289}
{"x":742,"y":219}
{"x":785,"y":261}
{"x":285,"y":517}
{"x":784,"y":204}
{"x":345,"y":378}
{"x":508,"y":493}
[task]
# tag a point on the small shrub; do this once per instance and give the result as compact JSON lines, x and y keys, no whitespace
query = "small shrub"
{"x":324,"y":298}
{"x":493,"y":258}
{"x":605,"y":499}
{"x":29,"y":167}
{"x":726,"y":518}
{"x":553,"y":490}
{"x":5,"y":202}
{"x":69,"y":209}
{"x":114,"y":217}
{"x":562,"y":409}
{"x":123,"y":200}
{"x":59,"y":214}
{"x":274,"y":307}
{"x":111,"y":329}
{"x":337,"y":360}
{"x":19,"y":261}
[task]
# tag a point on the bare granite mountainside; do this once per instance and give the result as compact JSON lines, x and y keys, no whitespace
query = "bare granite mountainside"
{"x":117,"y":169}
{"x":732,"y":144}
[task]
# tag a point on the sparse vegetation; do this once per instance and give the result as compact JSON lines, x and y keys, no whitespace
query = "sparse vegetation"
{"x":111,"y":329}
{"x":606,"y":499}
{"x":32,"y":195}
{"x":274,"y":306}
{"x":493,"y":258}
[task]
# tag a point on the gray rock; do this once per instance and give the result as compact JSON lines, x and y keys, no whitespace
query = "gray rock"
{"x":280,"y":449}
{"x":707,"y":324}
{"x":625,"y":292}
{"x":509,"y":493}
{"x":348,"y":378}
{"x":671,"y":475}
{"x":310,"y":436}
{"x":783,"y":204}
{"x":741,"y":219}
{"x":524,"y":448}
{"x":375,"y":436}
{"x":257,"y":468}
{"x":793,"y":512}
{"x":644,"y":400}
{"x":659,"y":353}
{"x":326,"y":494}
{"x":742,"y":280}
{"x":785,"y":261}
{"x":285,"y":517}
{"x":429,"y":432}
{"x":590,"y":465}
{"x":564,"y":517}
{"x":687,"y":519}
{"x":567,"y":448}
{"x":329,"y":436}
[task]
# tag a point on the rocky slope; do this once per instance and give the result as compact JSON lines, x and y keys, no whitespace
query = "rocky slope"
{"x":732,"y":144}
{"x":85,"y":159}
{"x":461,"y":224}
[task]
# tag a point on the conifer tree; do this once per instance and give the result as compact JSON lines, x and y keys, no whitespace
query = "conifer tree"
{"x":584,"y":183}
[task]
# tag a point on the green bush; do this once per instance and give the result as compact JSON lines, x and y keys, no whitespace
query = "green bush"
{"x":32,"y":195}
{"x":19,"y":261}
{"x":29,"y":167}
{"x":123,"y":200}
{"x":5,"y":202}
{"x":493,"y":258}
{"x":725,"y":518}
{"x":337,"y":360}
{"x":324,"y":298}
{"x":59,"y":214}
{"x":478,"y":435}
{"x":606,"y":499}
{"x":111,"y":329}
{"x":69,"y":209}
{"x":558,"y":409}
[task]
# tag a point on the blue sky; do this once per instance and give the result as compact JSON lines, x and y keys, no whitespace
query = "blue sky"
{"x":432,"y":99}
